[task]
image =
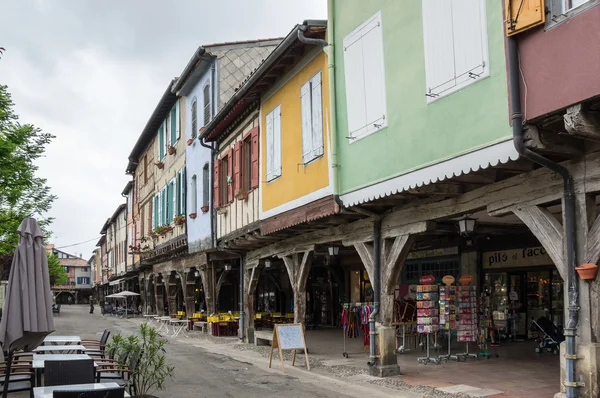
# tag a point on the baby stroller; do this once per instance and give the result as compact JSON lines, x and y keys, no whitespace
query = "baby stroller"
{"x":552,"y":337}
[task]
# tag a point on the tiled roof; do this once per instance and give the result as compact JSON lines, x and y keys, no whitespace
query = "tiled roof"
{"x":73,"y":262}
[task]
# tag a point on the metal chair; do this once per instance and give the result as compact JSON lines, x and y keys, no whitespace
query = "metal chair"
{"x":58,"y":373}
{"x":101,"y":344}
{"x":22,"y":376}
{"x":122,"y":375}
{"x":106,"y":393}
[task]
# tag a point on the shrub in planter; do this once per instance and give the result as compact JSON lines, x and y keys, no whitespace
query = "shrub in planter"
{"x":152,"y":370}
{"x":179,"y":220}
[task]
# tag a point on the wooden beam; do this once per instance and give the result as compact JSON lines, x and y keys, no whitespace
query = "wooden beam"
{"x":549,"y":231}
{"x":365,"y":252}
{"x":551,"y":143}
{"x":440,"y":188}
{"x":582,"y":123}
{"x":488,"y":176}
{"x":592,"y":252}
{"x":394,"y":256}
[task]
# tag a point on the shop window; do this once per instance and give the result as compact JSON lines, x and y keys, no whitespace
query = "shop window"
{"x":439,"y":267}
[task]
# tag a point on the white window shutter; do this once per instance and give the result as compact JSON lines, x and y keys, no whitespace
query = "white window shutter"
{"x":439,"y":46}
{"x":307,"y":145}
{"x":355,"y":84}
{"x":270,"y":146}
{"x":374,"y":71}
{"x":160,"y":209}
{"x":277,"y":142}
{"x":178,"y":124}
{"x":175,"y":199}
{"x":470,"y":36}
{"x":317,"y":116}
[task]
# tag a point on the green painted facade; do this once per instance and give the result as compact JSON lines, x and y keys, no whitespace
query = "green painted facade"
{"x":418,"y":134}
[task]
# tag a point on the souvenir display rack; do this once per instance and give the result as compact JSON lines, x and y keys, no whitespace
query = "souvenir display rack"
{"x":405,"y":320}
{"x":467,"y":323}
{"x":428,"y":316}
{"x":485,"y":326}
{"x":448,"y":304}
{"x":355,"y":316}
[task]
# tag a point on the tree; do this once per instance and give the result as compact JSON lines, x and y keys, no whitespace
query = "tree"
{"x":22,"y":193}
{"x":58,"y":275}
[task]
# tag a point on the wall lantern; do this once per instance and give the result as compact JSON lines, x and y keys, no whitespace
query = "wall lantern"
{"x":197,"y":274}
{"x":333,"y":250}
{"x":227,"y":267}
{"x":267,"y":263}
{"x":466,"y":225}
{"x":177,"y":276}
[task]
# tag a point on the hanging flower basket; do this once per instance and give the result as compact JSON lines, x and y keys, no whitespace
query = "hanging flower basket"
{"x":160,"y":165}
{"x":587,"y":271}
{"x":172,"y":150}
{"x":193,"y":216}
{"x":190,"y":142}
{"x":204,"y":209}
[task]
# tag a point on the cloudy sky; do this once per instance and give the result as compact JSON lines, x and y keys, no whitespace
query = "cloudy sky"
{"x":91,"y":72}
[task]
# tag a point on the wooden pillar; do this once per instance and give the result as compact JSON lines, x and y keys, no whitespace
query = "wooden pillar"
{"x":251,"y":275}
{"x":298,"y":266}
{"x":218,"y":286}
{"x":189,"y":292}
{"x":207,"y":285}
{"x":160,"y":303}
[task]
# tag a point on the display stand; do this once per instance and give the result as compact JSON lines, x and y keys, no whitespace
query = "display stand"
{"x":448,"y":316}
{"x":428,"y":316}
{"x":351,"y":324}
{"x":484,"y":327}
{"x":467,"y":318}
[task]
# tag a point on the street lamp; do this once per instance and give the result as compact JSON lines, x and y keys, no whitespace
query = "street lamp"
{"x":197,"y":274}
{"x":227,"y":267}
{"x":466,"y":225}
{"x":267,"y":263}
{"x":333,"y":250}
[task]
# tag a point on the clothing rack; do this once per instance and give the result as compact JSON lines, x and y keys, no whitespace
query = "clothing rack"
{"x":354,"y":316}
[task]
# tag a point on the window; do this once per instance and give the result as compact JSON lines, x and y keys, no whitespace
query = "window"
{"x":558,"y":8}
{"x":247,"y":164}
{"x":181,"y":192}
{"x":173,"y":122}
{"x":171,"y":202}
{"x":205,"y":185}
{"x":157,"y":211}
{"x":224,"y":183}
{"x":83,"y":280}
{"x":365,"y":79}
{"x":455,"y":43}
{"x":194,"y":117}
{"x":84,"y":269}
{"x":413,"y":270}
{"x":207,"y":107}
{"x":312,"y":119}
{"x":161,"y":142}
{"x":194,"y":195}
{"x":274,"y":144}
{"x":145,"y":169}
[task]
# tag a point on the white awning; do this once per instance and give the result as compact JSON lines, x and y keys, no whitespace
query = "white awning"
{"x":115,"y":282}
{"x":464,"y":164}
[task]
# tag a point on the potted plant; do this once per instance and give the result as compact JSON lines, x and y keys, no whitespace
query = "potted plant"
{"x":193,"y":216}
{"x":152,"y":370}
{"x":205,"y":209}
{"x":587,"y":271}
{"x":190,"y":141}
{"x":154,"y":235}
{"x":159,"y":164}
{"x":179,"y":220}
{"x":171,"y":150}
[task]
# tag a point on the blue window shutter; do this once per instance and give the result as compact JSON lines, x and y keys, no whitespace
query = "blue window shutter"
{"x":173,"y":126}
{"x":161,"y":142}
{"x":177,"y":120}
{"x":178,"y":194}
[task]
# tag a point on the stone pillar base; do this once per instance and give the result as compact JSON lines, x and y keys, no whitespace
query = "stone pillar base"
{"x":387,"y":361}
{"x":586,"y":366}
{"x":250,"y":335}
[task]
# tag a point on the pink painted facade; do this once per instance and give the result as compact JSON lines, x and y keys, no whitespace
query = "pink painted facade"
{"x":561,"y":65}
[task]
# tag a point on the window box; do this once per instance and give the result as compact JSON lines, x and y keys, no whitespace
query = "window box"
{"x":193,"y":216}
{"x":179,"y":220}
{"x":172,"y":150}
{"x":190,"y":141}
{"x":204,"y":209}
{"x":242,"y":195}
{"x":160,"y":165}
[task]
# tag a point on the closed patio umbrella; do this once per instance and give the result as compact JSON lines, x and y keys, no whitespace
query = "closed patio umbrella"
{"x":27,"y":315}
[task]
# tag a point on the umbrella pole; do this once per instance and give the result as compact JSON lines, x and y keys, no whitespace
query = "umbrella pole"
{"x":7,"y":375}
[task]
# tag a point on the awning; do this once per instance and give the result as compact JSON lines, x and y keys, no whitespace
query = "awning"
{"x":464,"y":164}
{"x":115,"y":282}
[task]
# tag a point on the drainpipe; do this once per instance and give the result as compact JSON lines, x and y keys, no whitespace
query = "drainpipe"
{"x":376,"y":289}
{"x":569,"y":204}
{"x":308,"y":40}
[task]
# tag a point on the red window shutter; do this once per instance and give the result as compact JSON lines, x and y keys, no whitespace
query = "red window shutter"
{"x":237,"y":168}
{"x":216,"y":180}
{"x":230,"y":169}
{"x":254,"y":135}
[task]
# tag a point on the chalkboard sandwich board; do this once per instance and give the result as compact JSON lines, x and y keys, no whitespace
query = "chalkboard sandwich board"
{"x":288,"y":337}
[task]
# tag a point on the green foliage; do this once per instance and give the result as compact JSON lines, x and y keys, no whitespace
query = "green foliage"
{"x":152,"y":369}
{"x":22,"y":194}
{"x":58,"y":275}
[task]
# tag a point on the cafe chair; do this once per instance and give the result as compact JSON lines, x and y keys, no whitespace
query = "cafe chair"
{"x":98,"y":345}
{"x":122,"y":375}
{"x":105,"y":393}
{"x":59,"y":373}
{"x":22,"y":377}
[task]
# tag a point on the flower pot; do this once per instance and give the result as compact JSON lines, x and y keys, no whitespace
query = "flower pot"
{"x":160,"y":165}
{"x":172,"y":150}
{"x":204,"y":209}
{"x":242,"y":196}
{"x":193,"y":216}
{"x":587,"y":271}
{"x":190,"y":142}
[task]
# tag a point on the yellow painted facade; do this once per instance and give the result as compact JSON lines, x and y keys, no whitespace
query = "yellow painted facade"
{"x":297,"y":180}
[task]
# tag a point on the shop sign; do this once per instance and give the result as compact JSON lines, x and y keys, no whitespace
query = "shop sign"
{"x":448,"y":280}
{"x":444,"y":251}
{"x":527,"y":257}
{"x":427,"y":279}
{"x":465,"y":279}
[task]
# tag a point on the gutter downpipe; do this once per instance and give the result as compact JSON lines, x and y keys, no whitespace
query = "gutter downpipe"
{"x":376,"y":290}
{"x":569,"y":206}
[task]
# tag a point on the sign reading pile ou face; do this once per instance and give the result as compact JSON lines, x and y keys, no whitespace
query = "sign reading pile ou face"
{"x":526,"y":257}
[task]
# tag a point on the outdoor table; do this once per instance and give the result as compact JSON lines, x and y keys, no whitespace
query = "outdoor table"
{"x":46,"y":392}
{"x":150,"y":317}
{"x":62,"y":340}
{"x":60,"y":349}
{"x":40,"y":359}
{"x":178,"y":326}
{"x":164,"y":322}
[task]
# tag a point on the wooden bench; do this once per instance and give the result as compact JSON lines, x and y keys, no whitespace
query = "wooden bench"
{"x":202,"y":326}
{"x":263,"y":337}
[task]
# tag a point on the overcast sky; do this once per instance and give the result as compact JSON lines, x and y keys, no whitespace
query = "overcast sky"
{"x":91,"y":71}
